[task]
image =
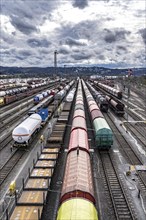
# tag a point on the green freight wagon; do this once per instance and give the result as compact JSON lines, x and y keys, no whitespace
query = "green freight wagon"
{"x":103,"y":134}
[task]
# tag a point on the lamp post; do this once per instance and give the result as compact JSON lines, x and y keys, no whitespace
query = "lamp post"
{"x":55,"y":62}
{"x":64,"y":69}
{"x":130,"y":72}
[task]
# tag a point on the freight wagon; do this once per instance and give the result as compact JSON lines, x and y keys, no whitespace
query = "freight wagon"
{"x":100,"y":99}
{"x":112,"y":91}
{"x":102,"y":131}
{"x":116,"y":106}
{"x":77,"y":196}
{"x":10,"y":96}
{"x":23,"y":133}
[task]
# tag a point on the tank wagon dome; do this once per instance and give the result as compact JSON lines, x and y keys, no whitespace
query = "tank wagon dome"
{"x":70,"y":97}
{"x":45,"y":93}
{"x":23,"y":131}
{"x":2,"y":93}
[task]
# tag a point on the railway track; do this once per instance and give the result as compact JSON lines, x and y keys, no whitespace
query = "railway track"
{"x":135,"y":131}
{"x":141,"y":129}
{"x":52,"y":158}
{"x":130,"y":154}
{"x":9,"y":165}
{"x":8,"y":124}
{"x":121,"y":202}
{"x":5,"y":113}
{"x":6,"y":116}
{"x":5,"y":141}
{"x":10,"y":121}
{"x":14,"y":104}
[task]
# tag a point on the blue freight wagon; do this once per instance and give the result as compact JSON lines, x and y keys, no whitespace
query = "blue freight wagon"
{"x":44,"y":113}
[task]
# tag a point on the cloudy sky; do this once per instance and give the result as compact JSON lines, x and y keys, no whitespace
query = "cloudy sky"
{"x":109,"y":33}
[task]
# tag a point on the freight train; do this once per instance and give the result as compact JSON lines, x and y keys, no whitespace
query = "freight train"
{"x":12,"y":95}
{"x":61,"y":94}
{"x":102,"y":131}
{"x":116,"y":106}
{"x":112,"y":91}
{"x":77,"y":199}
{"x":23,"y":133}
{"x":42,"y":104}
{"x":42,"y":109}
{"x":100,"y":99}
{"x":39,"y":97}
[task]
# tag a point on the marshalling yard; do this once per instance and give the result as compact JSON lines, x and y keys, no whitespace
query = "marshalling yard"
{"x":72,"y":149}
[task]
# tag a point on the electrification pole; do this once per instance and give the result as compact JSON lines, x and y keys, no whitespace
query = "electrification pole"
{"x":55,"y":62}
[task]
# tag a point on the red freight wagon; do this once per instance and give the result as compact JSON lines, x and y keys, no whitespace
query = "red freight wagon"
{"x":79,"y":106}
{"x":78,"y":177}
{"x":91,"y":103}
{"x":79,"y":102}
{"x":96,"y":114}
{"x":79,"y":122}
{"x":92,"y":107}
{"x":79,"y":112}
{"x":78,"y":139}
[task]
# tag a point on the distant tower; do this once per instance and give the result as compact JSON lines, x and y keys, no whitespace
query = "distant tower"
{"x":55,"y":62}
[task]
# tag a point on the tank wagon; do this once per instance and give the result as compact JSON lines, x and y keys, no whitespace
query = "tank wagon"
{"x":100,"y":99}
{"x":77,"y":196}
{"x":116,"y":106}
{"x":70,"y":96}
{"x":61,"y":94}
{"x":112,"y":91}
{"x":42,"y":109}
{"x":15,"y":94}
{"x":39,"y":97}
{"x":23,"y":133}
{"x":102,"y":131}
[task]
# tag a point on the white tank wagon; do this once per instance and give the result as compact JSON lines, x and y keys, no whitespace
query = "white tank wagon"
{"x":22,"y":134}
{"x":70,"y":96}
{"x":60,"y":95}
{"x":2,"y":93}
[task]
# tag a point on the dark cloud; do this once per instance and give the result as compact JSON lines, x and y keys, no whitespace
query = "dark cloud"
{"x":67,"y":30}
{"x":101,"y":57}
{"x":122,"y":48}
{"x":83,"y":30}
{"x":115,"y":35}
{"x":16,"y":54}
{"x":43,"y":51}
{"x":20,"y":57}
{"x":81,"y":56}
{"x":72,"y":42}
{"x":63,"y":51}
{"x":76,"y":40}
{"x":38,"y":42}
{"x":6,"y":37}
{"x":80,"y":3}
{"x":22,"y":25}
{"x":5,"y":53}
{"x":24,"y":13}
{"x":25,"y":53}
{"x":143,"y":34}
